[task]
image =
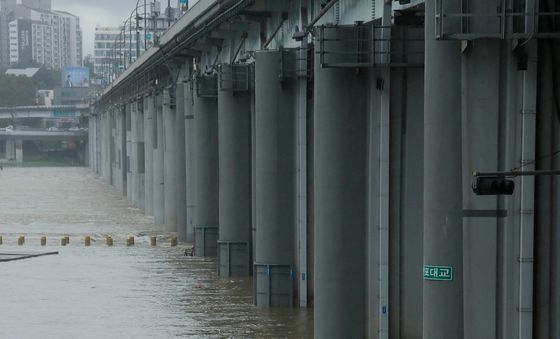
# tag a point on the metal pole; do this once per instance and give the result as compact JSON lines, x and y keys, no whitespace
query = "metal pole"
{"x":324,"y":11}
{"x":544,"y":208}
{"x":121,"y":55}
{"x":168,"y":13}
{"x":130,"y":40}
{"x":302,"y":166}
{"x":145,"y":26}
{"x":241,"y":44}
{"x":154,"y":22}
{"x":114,"y":56}
{"x":137,"y":35}
{"x":527,"y":213}
{"x":384,"y":179}
{"x":123,"y":45}
{"x":117,"y":53}
{"x":283,"y":19}
{"x":443,"y":203}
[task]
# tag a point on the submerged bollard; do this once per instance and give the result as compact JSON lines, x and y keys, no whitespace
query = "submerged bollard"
{"x":87,"y":240}
{"x":0,"y":240}
{"x":130,"y":241}
{"x":109,"y":241}
{"x":173,"y":240}
{"x":21,"y":240}
{"x":43,"y":241}
{"x":63,"y":241}
{"x":153,"y":241}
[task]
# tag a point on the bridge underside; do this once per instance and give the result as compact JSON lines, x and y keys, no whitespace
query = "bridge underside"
{"x":335,"y":167}
{"x":43,"y":136}
{"x":14,"y":142}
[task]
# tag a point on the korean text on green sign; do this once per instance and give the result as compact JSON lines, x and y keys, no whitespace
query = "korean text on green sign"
{"x":440,"y":273}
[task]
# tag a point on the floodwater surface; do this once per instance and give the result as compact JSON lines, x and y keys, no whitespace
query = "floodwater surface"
{"x":113,"y":292}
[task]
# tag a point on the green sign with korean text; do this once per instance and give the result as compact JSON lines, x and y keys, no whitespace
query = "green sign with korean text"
{"x":60,"y":114}
{"x":439,"y":273}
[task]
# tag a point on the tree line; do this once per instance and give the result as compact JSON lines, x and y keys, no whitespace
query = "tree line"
{"x":21,"y":90}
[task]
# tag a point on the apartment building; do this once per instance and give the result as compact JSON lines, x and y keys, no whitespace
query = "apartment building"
{"x":51,"y":38}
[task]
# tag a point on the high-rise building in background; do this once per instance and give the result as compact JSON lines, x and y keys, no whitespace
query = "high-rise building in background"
{"x":112,"y":44}
{"x":4,"y":38}
{"x":71,"y":35}
{"x":6,"y":6}
{"x":31,"y":31}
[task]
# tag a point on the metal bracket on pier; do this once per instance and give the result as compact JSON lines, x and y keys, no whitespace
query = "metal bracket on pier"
{"x":509,"y":20}
{"x":236,"y":78}
{"x":206,"y":86}
{"x":273,"y":285}
{"x":370,"y":46}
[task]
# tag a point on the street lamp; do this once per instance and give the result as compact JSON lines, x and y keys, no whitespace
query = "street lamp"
{"x":119,"y":51}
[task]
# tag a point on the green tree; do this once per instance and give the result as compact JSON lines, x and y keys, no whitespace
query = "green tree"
{"x":47,"y":79}
{"x":16,"y":91}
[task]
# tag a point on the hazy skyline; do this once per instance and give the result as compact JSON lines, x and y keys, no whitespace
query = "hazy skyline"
{"x":93,"y":13}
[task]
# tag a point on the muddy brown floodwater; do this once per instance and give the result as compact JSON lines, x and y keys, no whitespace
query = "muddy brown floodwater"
{"x":113,"y":292}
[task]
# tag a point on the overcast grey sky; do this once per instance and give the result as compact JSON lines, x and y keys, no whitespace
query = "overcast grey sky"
{"x":95,"y":12}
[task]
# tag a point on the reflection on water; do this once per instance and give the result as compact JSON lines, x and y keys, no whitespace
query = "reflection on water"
{"x":119,"y":291}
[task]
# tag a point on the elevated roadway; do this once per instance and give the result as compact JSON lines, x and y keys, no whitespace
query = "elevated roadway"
{"x":47,"y":112}
{"x":43,"y":135}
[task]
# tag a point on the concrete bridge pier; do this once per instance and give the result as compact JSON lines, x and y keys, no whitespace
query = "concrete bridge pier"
{"x":158,"y":183}
{"x":139,"y":153}
{"x":118,"y":149}
{"x":106,"y":138}
{"x":92,"y":143}
{"x":148,"y":154}
{"x":19,"y":151}
{"x":234,"y":114}
{"x":83,"y":153}
{"x":340,"y":174}
{"x":98,"y":144}
{"x":275,"y":180}
{"x":443,"y":192}
{"x":180,"y":165}
{"x":206,"y":166}
{"x":109,"y":141}
{"x":131,"y":152}
{"x":189,"y":158}
{"x":10,"y":149}
{"x":170,"y":205}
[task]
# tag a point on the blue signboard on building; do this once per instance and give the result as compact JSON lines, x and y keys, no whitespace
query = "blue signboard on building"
{"x":75,"y":77}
